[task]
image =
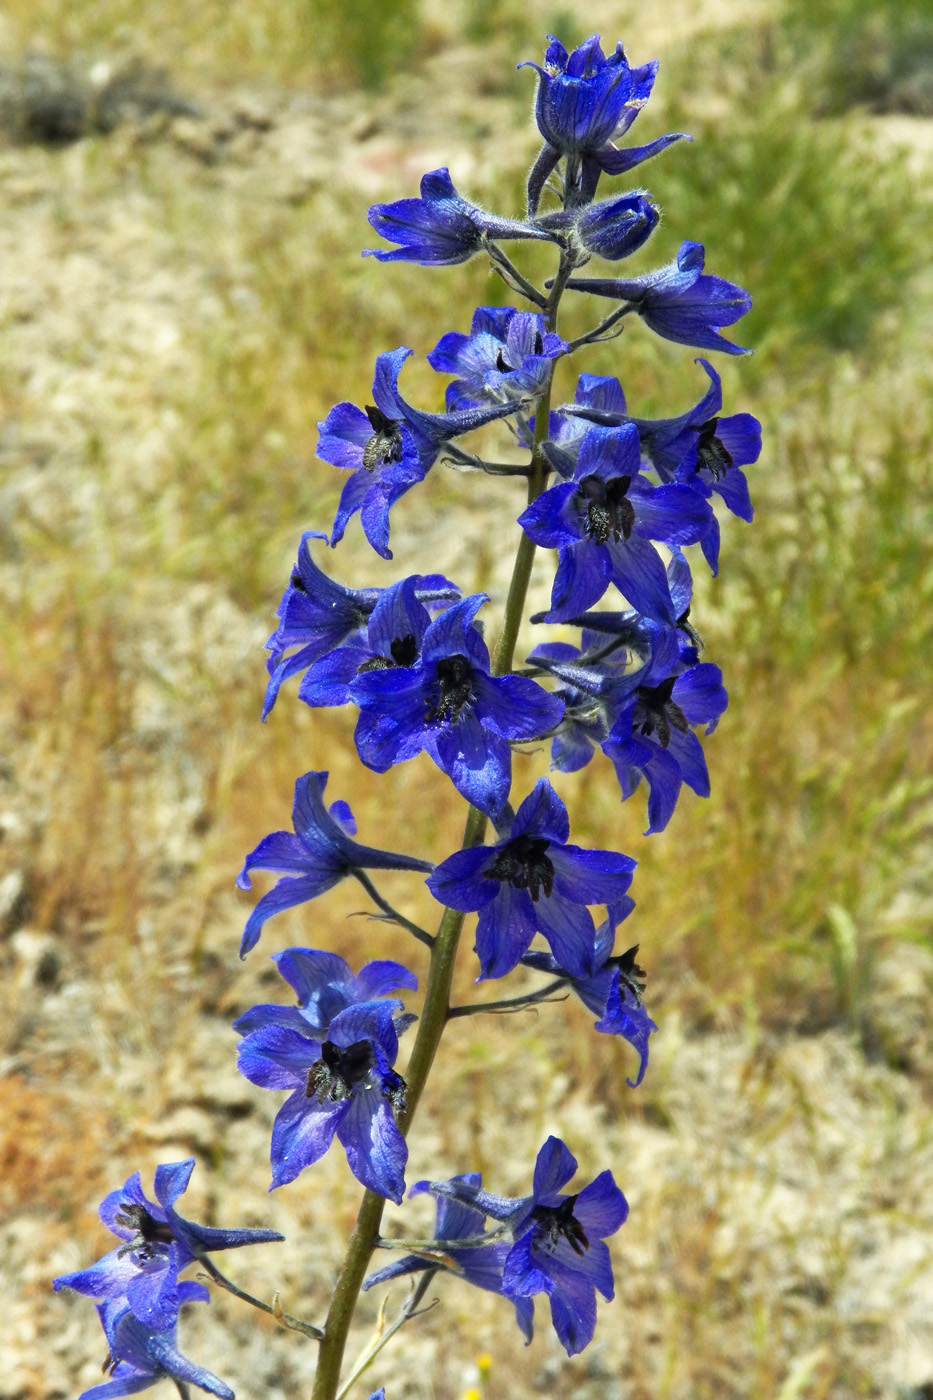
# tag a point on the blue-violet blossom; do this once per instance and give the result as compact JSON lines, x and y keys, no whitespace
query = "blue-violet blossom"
{"x":614,"y":992}
{"x":559,"y":1246}
{"x":389,"y":448}
{"x":451,"y":707}
{"x":138,"y":1355}
{"x":507,"y":356}
{"x":440,"y":228}
{"x":339,"y":1070}
{"x":585,"y":103}
{"x":678,"y":301}
{"x":652,"y":738}
{"x":478,"y":1264}
{"x":602,"y":523}
{"x":318,"y":854}
{"x":533,"y":880}
{"x":157,"y":1244}
{"x":316,"y":615}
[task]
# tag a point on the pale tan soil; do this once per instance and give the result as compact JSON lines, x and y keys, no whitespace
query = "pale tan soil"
{"x":781,"y":1235}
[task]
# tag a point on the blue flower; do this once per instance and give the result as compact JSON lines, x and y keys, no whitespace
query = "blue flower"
{"x":533,"y":880}
{"x":338,"y":1065}
{"x":478,"y":1264}
{"x":559,"y":1240}
{"x":585,"y":103}
{"x":678,"y":301}
{"x":319,"y":853}
{"x":392,"y":638}
{"x":140,"y":1355}
{"x":612,"y":229}
{"x":706,"y":452}
{"x":451,"y":707}
{"x":614,"y":992}
{"x":440,"y":228}
{"x":599,"y":676}
{"x":317,"y":615}
{"x":157,"y":1244}
{"x":389,"y":448}
{"x":506,"y":357}
{"x":652,"y":738}
{"x":697,"y":448}
{"x":325,"y":986}
{"x":601,"y":523}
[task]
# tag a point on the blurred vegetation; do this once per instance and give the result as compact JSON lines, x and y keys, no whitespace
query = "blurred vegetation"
{"x":864,"y":53}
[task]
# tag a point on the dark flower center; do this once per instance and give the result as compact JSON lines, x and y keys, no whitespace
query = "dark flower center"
{"x":403,"y":652}
{"x":630,"y":974}
{"x":454,"y":690}
{"x":336,"y":1074}
{"x":149,"y":1231}
{"x":711,"y":452}
{"x":656,"y":713}
{"x":385,"y":445}
{"x":609,"y":514}
{"x":559,"y":1221}
{"x":524,"y":864}
{"x":298,"y":582}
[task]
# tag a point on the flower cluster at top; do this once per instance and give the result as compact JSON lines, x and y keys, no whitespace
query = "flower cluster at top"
{"x":618,"y":498}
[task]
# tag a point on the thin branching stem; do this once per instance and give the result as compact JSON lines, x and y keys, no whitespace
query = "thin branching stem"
{"x":385,"y":1334}
{"x":391,"y":914}
{"x":600,"y":332}
{"x":478,"y":464}
{"x":426,"y":1248}
{"x":473,"y":1008}
{"x":294,"y":1324}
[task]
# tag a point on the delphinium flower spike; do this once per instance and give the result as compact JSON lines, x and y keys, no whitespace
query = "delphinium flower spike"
{"x":619,"y":498}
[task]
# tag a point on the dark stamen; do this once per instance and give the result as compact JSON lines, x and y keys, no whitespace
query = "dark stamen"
{"x":557,"y":1221}
{"x":149,"y":1232}
{"x":385,"y":445}
{"x":630,"y":974}
{"x":336,"y":1074}
{"x":454,"y":691}
{"x":609,"y":514}
{"x":404,"y":652}
{"x":524,"y":865}
{"x":712,"y":452}
{"x":656,"y":713}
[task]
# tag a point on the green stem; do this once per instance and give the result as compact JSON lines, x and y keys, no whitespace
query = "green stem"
{"x":434,"y":1013}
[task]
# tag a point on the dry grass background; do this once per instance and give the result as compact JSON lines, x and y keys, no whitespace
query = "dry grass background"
{"x":180,"y":301}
